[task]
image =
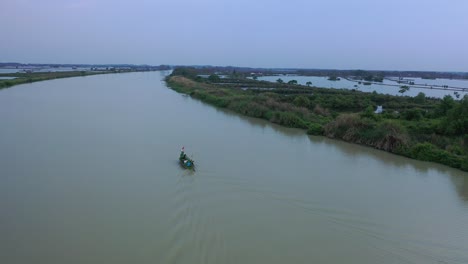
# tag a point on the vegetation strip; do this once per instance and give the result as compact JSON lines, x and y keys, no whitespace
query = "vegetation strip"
{"x":42,"y":76}
{"x":422,"y":128}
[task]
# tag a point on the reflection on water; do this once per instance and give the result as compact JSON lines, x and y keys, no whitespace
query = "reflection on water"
{"x":348,"y":148}
{"x":459,"y":178}
{"x":262,"y":123}
{"x":461,"y":183}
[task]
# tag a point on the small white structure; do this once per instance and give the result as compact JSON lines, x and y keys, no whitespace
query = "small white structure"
{"x":379,"y":109}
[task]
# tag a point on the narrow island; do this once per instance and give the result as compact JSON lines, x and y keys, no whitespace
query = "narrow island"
{"x":29,"y":77}
{"x":422,"y":128}
{"x":28,"y":73}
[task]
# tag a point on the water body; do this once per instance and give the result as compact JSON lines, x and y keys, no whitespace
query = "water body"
{"x":89,"y":174}
{"x":8,"y":70}
{"x":389,"y":87}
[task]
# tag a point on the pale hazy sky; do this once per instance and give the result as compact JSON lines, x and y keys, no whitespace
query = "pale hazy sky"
{"x":343,"y":34}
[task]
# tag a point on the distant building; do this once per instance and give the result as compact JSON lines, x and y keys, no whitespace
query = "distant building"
{"x":379,"y":109}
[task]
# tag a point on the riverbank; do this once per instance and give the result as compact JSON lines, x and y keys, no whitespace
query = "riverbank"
{"x":421,"y":128}
{"x":20,"y":78}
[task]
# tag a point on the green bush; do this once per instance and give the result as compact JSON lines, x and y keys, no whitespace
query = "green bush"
{"x":249,"y":108}
{"x":424,"y":126}
{"x":369,"y":112}
{"x":456,"y":120}
{"x":288,"y":119}
{"x":315,"y":129}
{"x":344,"y":126}
{"x":211,"y":99}
{"x":301,"y":101}
{"x":428,"y":152}
{"x":464,"y":164}
{"x":412,"y":114}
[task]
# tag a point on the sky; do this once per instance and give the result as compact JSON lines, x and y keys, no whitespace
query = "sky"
{"x":429,"y":35}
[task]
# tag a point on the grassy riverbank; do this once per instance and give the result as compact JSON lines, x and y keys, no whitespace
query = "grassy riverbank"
{"x":418,"y":127}
{"x":21,"y":78}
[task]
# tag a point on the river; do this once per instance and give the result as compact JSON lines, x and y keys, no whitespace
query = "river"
{"x":89,"y":174}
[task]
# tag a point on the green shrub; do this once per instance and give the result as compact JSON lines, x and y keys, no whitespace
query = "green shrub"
{"x":455,"y":149}
{"x":288,"y":119}
{"x":412,"y":114}
{"x":344,"y":126}
{"x":249,"y":108}
{"x":369,"y":112}
{"x":464,"y":164}
{"x":315,"y":129}
{"x":301,"y":101}
{"x":428,"y":152}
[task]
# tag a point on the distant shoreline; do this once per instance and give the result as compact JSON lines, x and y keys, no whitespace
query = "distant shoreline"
{"x":22,"y":78}
{"x":257,"y":70}
{"x":29,"y":77}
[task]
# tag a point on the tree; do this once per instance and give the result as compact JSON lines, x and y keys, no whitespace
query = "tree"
{"x":369,"y":78}
{"x":279,"y":80}
{"x":186,"y":72}
{"x":378,"y":78}
{"x":445,"y":105}
{"x":369,"y":112}
{"x":420,"y":98}
{"x":255,"y":77}
{"x":309,"y":83}
{"x":360,"y":73}
{"x":292,"y":82}
{"x":456,"y":121}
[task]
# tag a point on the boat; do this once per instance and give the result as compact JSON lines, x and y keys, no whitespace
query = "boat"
{"x":185,"y":161}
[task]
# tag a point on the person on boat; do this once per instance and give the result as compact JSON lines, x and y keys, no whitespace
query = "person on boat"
{"x":182,"y":156}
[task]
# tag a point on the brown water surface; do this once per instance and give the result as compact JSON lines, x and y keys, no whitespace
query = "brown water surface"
{"x":89,"y":174}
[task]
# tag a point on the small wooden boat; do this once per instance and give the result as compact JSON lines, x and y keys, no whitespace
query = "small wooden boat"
{"x":185,"y":161}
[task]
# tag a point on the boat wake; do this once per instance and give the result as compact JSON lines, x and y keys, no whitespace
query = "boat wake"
{"x":194,"y":237}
